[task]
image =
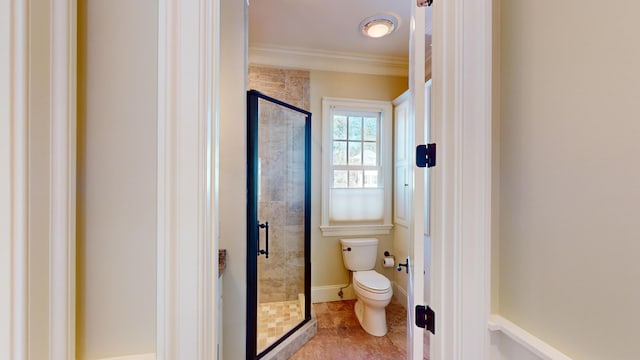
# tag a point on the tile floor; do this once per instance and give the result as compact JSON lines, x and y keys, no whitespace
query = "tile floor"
{"x":276,"y":319}
{"x":340,"y":336}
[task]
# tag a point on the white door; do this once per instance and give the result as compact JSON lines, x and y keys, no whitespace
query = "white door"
{"x":417,"y":179}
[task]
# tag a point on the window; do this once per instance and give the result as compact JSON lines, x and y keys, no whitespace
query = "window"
{"x":356,"y":169}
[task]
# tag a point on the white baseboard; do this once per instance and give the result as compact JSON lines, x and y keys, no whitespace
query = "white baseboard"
{"x":149,"y":356}
{"x":330,"y":293}
{"x":525,"y":339}
{"x":400,"y":294}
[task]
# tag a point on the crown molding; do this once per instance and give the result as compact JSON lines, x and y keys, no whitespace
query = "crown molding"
{"x":312,"y":59}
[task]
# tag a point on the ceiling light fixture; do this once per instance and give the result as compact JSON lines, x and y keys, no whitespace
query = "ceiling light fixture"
{"x":379,"y":25}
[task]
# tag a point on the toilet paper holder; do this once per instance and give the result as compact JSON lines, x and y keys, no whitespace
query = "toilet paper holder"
{"x":388,"y":260}
{"x":399,"y":266}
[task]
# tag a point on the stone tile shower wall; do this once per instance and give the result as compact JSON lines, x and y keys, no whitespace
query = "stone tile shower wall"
{"x":281,"y":188}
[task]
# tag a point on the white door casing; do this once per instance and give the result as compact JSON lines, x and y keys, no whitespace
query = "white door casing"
{"x":14,"y":42}
{"x":13,"y":178}
{"x":188,"y":53}
{"x":461,"y":181}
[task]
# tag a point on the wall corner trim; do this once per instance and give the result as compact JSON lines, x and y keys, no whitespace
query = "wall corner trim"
{"x":529,"y":341}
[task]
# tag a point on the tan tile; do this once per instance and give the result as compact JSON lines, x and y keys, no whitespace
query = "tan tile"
{"x":340,"y":335}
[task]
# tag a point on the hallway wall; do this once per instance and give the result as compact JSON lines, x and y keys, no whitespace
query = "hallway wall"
{"x":232,"y":173}
{"x":116,"y":234}
{"x":568,"y":178}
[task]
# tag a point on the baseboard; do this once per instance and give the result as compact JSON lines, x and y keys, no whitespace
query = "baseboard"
{"x":400,"y":294}
{"x":525,"y":339}
{"x":149,"y":356}
{"x":330,"y":293}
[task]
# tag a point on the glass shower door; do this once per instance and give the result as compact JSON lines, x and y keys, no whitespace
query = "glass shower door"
{"x":278,"y":188}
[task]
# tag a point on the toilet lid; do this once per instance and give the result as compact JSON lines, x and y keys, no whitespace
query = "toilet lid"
{"x":372,"y":281}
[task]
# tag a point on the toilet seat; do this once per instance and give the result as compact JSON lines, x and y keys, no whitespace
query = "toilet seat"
{"x":372,"y":281}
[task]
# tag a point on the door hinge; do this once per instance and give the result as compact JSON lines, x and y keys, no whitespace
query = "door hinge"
{"x":426,"y":318}
{"x":426,"y":155}
{"x":423,"y":3}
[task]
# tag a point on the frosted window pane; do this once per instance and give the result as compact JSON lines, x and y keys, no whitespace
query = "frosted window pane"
{"x":340,"y":178}
{"x":355,"y":179}
{"x":355,"y":153}
{"x":339,"y":153}
{"x":357,"y":205}
{"x":371,"y":178}
{"x":355,"y":128}
{"x":370,"y":129}
{"x":340,"y":127}
{"x":370,"y":154}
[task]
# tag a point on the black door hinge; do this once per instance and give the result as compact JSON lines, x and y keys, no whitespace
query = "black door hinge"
{"x":426,"y":318}
{"x":426,"y":155}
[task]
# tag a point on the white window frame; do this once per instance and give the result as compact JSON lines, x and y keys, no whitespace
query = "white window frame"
{"x":386,"y":165}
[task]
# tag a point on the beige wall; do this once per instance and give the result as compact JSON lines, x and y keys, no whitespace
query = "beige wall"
{"x":569,"y":199}
{"x":401,"y":251}
{"x":326,"y":259}
{"x":116,"y":237}
{"x":232,"y":175}
{"x":39,"y":176}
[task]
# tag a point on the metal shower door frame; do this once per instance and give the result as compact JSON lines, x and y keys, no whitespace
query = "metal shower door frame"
{"x":253,"y":97}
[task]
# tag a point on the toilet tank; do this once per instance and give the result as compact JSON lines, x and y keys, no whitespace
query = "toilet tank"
{"x":359,"y":254}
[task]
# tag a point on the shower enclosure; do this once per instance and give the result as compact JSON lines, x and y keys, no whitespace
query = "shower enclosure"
{"x":278,"y":222}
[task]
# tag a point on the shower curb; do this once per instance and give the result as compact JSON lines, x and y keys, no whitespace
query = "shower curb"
{"x":294,"y":342}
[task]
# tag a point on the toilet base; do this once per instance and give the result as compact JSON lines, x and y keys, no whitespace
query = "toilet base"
{"x":372,"y":320}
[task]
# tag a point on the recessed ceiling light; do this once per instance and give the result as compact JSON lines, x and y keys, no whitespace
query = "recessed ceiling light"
{"x":379,"y":25}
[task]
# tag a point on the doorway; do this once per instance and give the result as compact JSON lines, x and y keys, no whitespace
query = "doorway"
{"x":285,"y":54}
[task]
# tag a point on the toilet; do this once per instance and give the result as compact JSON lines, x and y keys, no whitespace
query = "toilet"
{"x":373,"y":290}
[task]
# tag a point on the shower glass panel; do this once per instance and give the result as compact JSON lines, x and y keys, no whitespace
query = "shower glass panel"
{"x":278,"y":189}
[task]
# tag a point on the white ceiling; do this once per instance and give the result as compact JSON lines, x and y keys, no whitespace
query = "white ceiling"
{"x":330,"y":26}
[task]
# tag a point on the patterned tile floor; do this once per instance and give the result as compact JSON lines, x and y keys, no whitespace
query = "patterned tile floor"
{"x":340,"y":336}
{"x":276,"y":319}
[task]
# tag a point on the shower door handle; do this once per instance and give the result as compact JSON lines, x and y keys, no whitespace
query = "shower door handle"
{"x":264,"y":251}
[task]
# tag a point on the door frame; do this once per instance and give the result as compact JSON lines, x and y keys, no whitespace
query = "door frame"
{"x":462,"y":99}
{"x":461,"y":188}
{"x":187,"y":243}
{"x":14,"y":243}
{"x":14,"y":37}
